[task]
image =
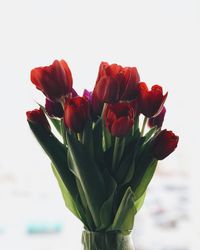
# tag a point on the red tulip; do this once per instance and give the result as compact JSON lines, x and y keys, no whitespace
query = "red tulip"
{"x":55,"y":81}
{"x":96,"y":106}
{"x":158,"y":120}
{"x":38,"y":116}
{"x":132,"y":80}
{"x":119,"y":118}
{"x":134,"y":103}
{"x":54,"y":108}
{"x":164,"y":144}
{"x":110,"y":83}
{"x":151,"y":101}
{"x":76,"y":113}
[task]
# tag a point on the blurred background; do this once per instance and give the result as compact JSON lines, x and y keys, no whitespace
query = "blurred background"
{"x":160,"y":38}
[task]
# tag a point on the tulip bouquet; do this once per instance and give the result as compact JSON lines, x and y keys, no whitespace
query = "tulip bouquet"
{"x":107,"y":147}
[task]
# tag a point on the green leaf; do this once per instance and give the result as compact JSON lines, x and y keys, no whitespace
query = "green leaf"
{"x":123,"y":169}
{"x":83,"y":201}
{"x":69,"y":202}
{"x":88,"y":216}
{"x":89,"y":175}
{"x":106,"y":209}
{"x":55,"y":121}
{"x":127,"y":166}
{"x":144,"y":182}
{"x":139,"y":202}
{"x":143,"y":160}
{"x":150,"y":133}
{"x":130,"y":172}
{"x":97,"y":143}
{"x":88,"y":138}
{"x":57,"y":153}
{"x":118,"y":151}
{"x":124,"y":217}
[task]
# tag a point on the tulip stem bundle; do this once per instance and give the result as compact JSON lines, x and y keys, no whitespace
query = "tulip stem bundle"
{"x":105,"y":161}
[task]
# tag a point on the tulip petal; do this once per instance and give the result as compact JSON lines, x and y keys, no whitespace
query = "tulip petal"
{"x":122,"y":126}
{"x":36,"y":75}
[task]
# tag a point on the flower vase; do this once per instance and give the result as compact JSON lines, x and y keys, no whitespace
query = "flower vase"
{"x":114,"y":240}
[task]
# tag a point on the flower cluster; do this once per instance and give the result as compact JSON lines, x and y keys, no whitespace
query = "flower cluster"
{"x":104,"y":147}
{"x":118,"y":89}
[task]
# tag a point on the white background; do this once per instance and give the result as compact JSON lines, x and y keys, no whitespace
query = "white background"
{"x":160,"y":37}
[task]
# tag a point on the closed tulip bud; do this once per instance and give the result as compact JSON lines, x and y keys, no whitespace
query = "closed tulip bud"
{"x":151,"y":101}
{"x":158,"y":120}
{"x":119,"y":118}
{"x":96,"y":106}
{"x":76,"y":113}
{"x":54,"y":109}
{"x":37,"y":116}
{"x":55,"y":81}
{"x":164,"y":144}
{"x":87,"y":94}
{"x":110,"y":83}
{"x":131,"y":83}
{"x":134,"y":103}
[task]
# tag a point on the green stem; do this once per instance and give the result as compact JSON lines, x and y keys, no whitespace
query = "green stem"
{"x":104,"y":107}
{"x":116,"y":152}
{"x":136,"y":125}
{"x":105,"y":133}
{"x":63,"y":131}
{"x":143,"y":125}
{"x":79,"y":136}
{"x":107,"y":241}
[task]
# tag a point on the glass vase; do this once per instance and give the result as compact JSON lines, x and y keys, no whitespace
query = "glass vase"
{"x":114,"y":240}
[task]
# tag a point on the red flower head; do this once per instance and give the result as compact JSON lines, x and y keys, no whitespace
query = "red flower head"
{"x":132,"y":80}
{"x":164,"y":144}
{"x":76,"y":113}
{"x":151,"y":101}
{"x":110,"y":83}
{"x":119,"y":118}
{"x":55,"y":81}
{"x":136,"y":107}
{"x":38,"y":116}
{"x":96,"y":106}
{"x":158,"y":120}
{"x":54,"y":108}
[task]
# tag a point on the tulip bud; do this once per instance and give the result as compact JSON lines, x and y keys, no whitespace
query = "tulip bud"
{"x":151,"y":101}
{"x":55,"y":81}
{"x":87,"y":94}
{"x":132,"y":80}
{"x":38,"y":116}
{"x":76,"y":113}
{"x":119,"y":118}
{"x":158,"y":120}
{"x":134,"y":103}
{"x":54,"y":108}
{"x":110,"y":83}
{"x":96,"y":106}
{"x":164,"y":144}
